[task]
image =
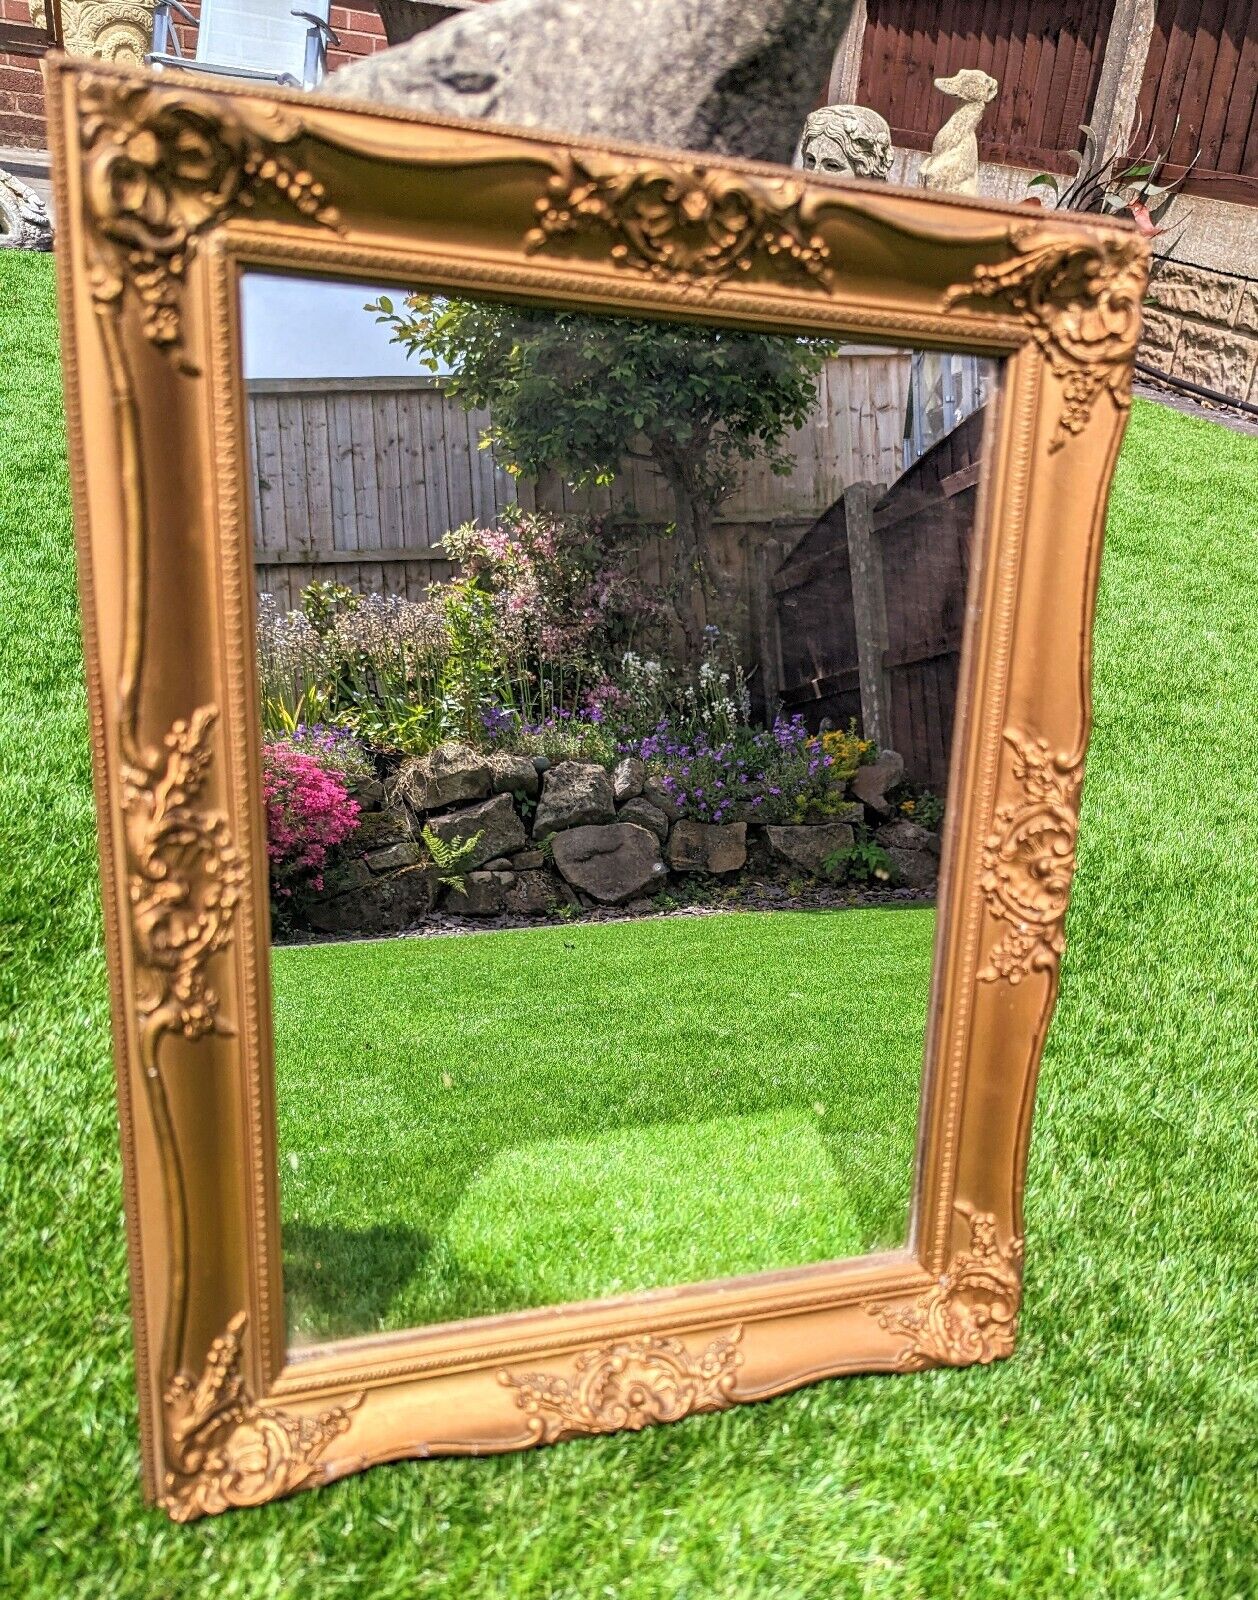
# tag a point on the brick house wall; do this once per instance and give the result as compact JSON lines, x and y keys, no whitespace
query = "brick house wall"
{"x":22,"y":88}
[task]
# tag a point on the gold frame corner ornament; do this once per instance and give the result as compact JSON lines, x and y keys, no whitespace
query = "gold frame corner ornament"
{"x":161,"y":169}
{"x":169,"y":194}
{"x":970,"y":1315}
{"x":228,"y":1449}
{"x":1080,"y":299}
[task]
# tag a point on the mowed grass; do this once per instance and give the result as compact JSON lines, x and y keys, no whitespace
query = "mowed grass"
{"x":479,"y":1124}
{"x":1115,"y":1456}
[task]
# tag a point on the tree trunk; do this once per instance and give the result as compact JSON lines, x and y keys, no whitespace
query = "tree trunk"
{"x":706,"y":594}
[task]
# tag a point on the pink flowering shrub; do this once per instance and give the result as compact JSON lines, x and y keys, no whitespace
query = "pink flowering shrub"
{"x":560,"y":591}
{"x":308,"y":813}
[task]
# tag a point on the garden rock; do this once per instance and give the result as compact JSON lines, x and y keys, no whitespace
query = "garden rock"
{"x":737,"y":77}
{"x":870,"y":784}
{"x":495,"y":820}
{"x":397,"y":855}
{"x":656,"y":792}
{"x":385,"y":905}
{"x":915,"y":869}
{"x":369,"y":793}
{"x":510,"y":774}
{"x":344,"y":876}
{"x":376,"y":829}
{"x":646,"y":816}
{"x":446,"y":775}
{"x":528,"y":861}
{"x":627,"y":779}
{"x":807,"y":846}
{"x":574,"y":795}
{"x":531,"y":895}
{"x":906,"y":835}
{"x":499,"y":864}
{"x":708,"y":846}
{"x":611,"y":864}
{"x":480,"y":894}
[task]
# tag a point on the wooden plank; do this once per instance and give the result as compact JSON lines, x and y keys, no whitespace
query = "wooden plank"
{"x":821,"y":688}
{"x":869,"y":605}
{"x":292,"y":558}
{"x":411,"y":473}
{"x":1223,"y":85}
{"x":280,"y":386}
{"x":293,"y":474}
{"x":273,"y":521}
{"x":432,"y":414}
{"x":366,"y":481}
{"x":313,"y":414}
{"x":1242,"y":110}
{"x":459,"y":471}
{"x":388,"y":464}
{"x":341,"y":457}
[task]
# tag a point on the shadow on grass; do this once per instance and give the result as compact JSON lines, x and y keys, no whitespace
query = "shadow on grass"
{"x":339,"y":1282}
{"x":342,"y":1283}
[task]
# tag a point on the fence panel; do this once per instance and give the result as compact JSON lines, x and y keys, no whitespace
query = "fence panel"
{"x":870,"y":606}
{"x":359,"y":480}
{"x":1199,"y":96}
{"x":1045,"y":55}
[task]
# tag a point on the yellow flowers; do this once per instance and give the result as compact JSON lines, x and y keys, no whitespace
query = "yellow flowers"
{"x":846,"y":750}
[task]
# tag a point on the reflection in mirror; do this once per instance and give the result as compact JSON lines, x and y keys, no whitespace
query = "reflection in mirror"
{"x":608,"y":672}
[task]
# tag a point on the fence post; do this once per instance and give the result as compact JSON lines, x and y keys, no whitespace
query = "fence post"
{"x":869,"y":605}
{"x":768,"y":558}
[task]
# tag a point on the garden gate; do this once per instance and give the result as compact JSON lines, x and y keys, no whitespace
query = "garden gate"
{"x":870,"y":607}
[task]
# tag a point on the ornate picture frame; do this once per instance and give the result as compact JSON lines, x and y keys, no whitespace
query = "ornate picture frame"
{"x":165,"y":192}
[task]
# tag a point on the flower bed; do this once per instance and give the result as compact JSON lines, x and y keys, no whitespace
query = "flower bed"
{"x":509,"y":747}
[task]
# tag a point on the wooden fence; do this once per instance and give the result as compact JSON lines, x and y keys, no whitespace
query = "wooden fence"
{"x":1199,"y":96}
{"x":871,"y":605}
{"x":359,"y":480}
{"x":1045,"y":54}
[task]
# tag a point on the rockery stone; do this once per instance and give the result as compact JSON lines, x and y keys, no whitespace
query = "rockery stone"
{"x":500,"y":829}
{"x":737,"y":77}
{"x":627,"y":779}
{"x":574,"y":794}
{"x":509,"y":774}
{"x":872,"y":782}
{"x":446,"y":775}
{"x":646,"y":816}
{"x":708,"y":846}
{"x":611,"y":864}
{"x":808,"y":847}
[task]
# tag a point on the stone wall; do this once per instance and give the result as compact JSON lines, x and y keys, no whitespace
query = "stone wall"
{"x":1203,"y":326}
{"x":524,"y":839}
{"x":21,"y":89}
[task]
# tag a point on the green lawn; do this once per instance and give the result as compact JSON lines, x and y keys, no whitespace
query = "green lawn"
{"x":1115,"y":1456}
{"x":504,"y":1120}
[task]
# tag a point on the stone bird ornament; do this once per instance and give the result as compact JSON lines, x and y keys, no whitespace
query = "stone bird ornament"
{"x":952,"y":164}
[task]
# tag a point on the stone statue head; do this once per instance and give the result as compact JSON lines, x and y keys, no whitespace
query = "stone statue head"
{"x":850,"y":140}
{"x":970,"y":84}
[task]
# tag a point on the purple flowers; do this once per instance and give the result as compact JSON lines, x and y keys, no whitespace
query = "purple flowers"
{"x":776,"y":773}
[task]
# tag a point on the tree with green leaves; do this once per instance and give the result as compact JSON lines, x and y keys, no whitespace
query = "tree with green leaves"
{"x":581,"y":394}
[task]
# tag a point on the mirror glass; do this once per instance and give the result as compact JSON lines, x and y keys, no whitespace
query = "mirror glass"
{"x":608,"y":670}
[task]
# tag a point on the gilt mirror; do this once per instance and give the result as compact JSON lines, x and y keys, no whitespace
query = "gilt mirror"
{"x":589,"y":663}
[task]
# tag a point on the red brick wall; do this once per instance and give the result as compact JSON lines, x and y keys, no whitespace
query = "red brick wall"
{"x":22,"y":89}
